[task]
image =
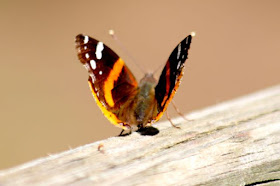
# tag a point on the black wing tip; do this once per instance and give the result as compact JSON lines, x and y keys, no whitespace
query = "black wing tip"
{"x":80,"y":35}
{"x":189,"y":39}
{"x":80,"y":38}
{"x":190,"y":36}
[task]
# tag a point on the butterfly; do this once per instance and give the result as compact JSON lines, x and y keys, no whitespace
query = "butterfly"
{"x":125,"y":102}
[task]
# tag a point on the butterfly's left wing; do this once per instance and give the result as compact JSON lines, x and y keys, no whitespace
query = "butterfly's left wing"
{"x":171,"y":75}
{"x":111,"y":82}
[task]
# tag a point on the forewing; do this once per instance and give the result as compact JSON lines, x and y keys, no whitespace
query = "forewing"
{"x":111,"y":82}
{"x":171,"y":75}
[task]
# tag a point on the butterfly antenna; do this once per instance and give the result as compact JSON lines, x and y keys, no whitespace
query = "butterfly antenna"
{"x":159,"y":67}
{"x":112,"y":33}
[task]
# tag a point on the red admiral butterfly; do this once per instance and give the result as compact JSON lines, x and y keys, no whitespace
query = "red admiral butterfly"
{"x":122,"y":100}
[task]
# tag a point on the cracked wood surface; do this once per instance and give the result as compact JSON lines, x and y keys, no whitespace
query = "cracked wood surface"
{"x":233,"y":143}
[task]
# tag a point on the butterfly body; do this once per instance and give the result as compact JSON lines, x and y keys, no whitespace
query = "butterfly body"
{"x":122,"y":100}
{"x":145,"y":107}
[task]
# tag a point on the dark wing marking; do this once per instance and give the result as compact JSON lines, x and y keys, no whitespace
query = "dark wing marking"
{"x":170,"y":77}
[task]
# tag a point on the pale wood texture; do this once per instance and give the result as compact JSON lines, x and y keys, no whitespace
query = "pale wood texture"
{"x":232,"y":143}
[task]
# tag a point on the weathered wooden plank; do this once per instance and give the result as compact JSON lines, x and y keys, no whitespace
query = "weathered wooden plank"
{"x":232,"y":143}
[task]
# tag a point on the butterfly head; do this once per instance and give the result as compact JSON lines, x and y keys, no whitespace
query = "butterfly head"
{"x":148,"y":78}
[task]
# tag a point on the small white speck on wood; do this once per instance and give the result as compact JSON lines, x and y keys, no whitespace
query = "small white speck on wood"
{"x":232,"y":143}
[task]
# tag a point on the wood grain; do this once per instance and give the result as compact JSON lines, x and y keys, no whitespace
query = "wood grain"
{"x":232,"y":143}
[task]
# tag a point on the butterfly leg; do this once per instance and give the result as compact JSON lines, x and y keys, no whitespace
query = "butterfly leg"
{"x":125,"y":134}
{"x":121,"y":132}
{"x":169,"y":119}
{"x":178,"y":111}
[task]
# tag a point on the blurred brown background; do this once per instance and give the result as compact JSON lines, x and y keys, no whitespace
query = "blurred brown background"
{"x":45,"y":103}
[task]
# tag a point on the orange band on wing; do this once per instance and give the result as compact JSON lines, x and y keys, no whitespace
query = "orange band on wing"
{"x":109,"y":115}
{"x":170,"y":97}
{"x":109,"y":83}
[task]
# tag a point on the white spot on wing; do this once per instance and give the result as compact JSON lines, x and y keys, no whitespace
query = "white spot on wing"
{"x":187,"y":41}
{"x":93,"y":64}
{"x":179,"y":64}
{"x":85,"y":47}
{"x":87,"y":67}
{"x":92,"y":77}
{"x":87,"y":55}
{"x":179,"y":51}
{"x":102,"y":102}
{"x":99,"y":49}
{"x":86,"y":39}
{"x":100,"y":72}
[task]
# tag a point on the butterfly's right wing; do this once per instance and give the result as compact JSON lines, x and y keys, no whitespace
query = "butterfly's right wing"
{"x":111,"y":82}
{"x":171,"y":75}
